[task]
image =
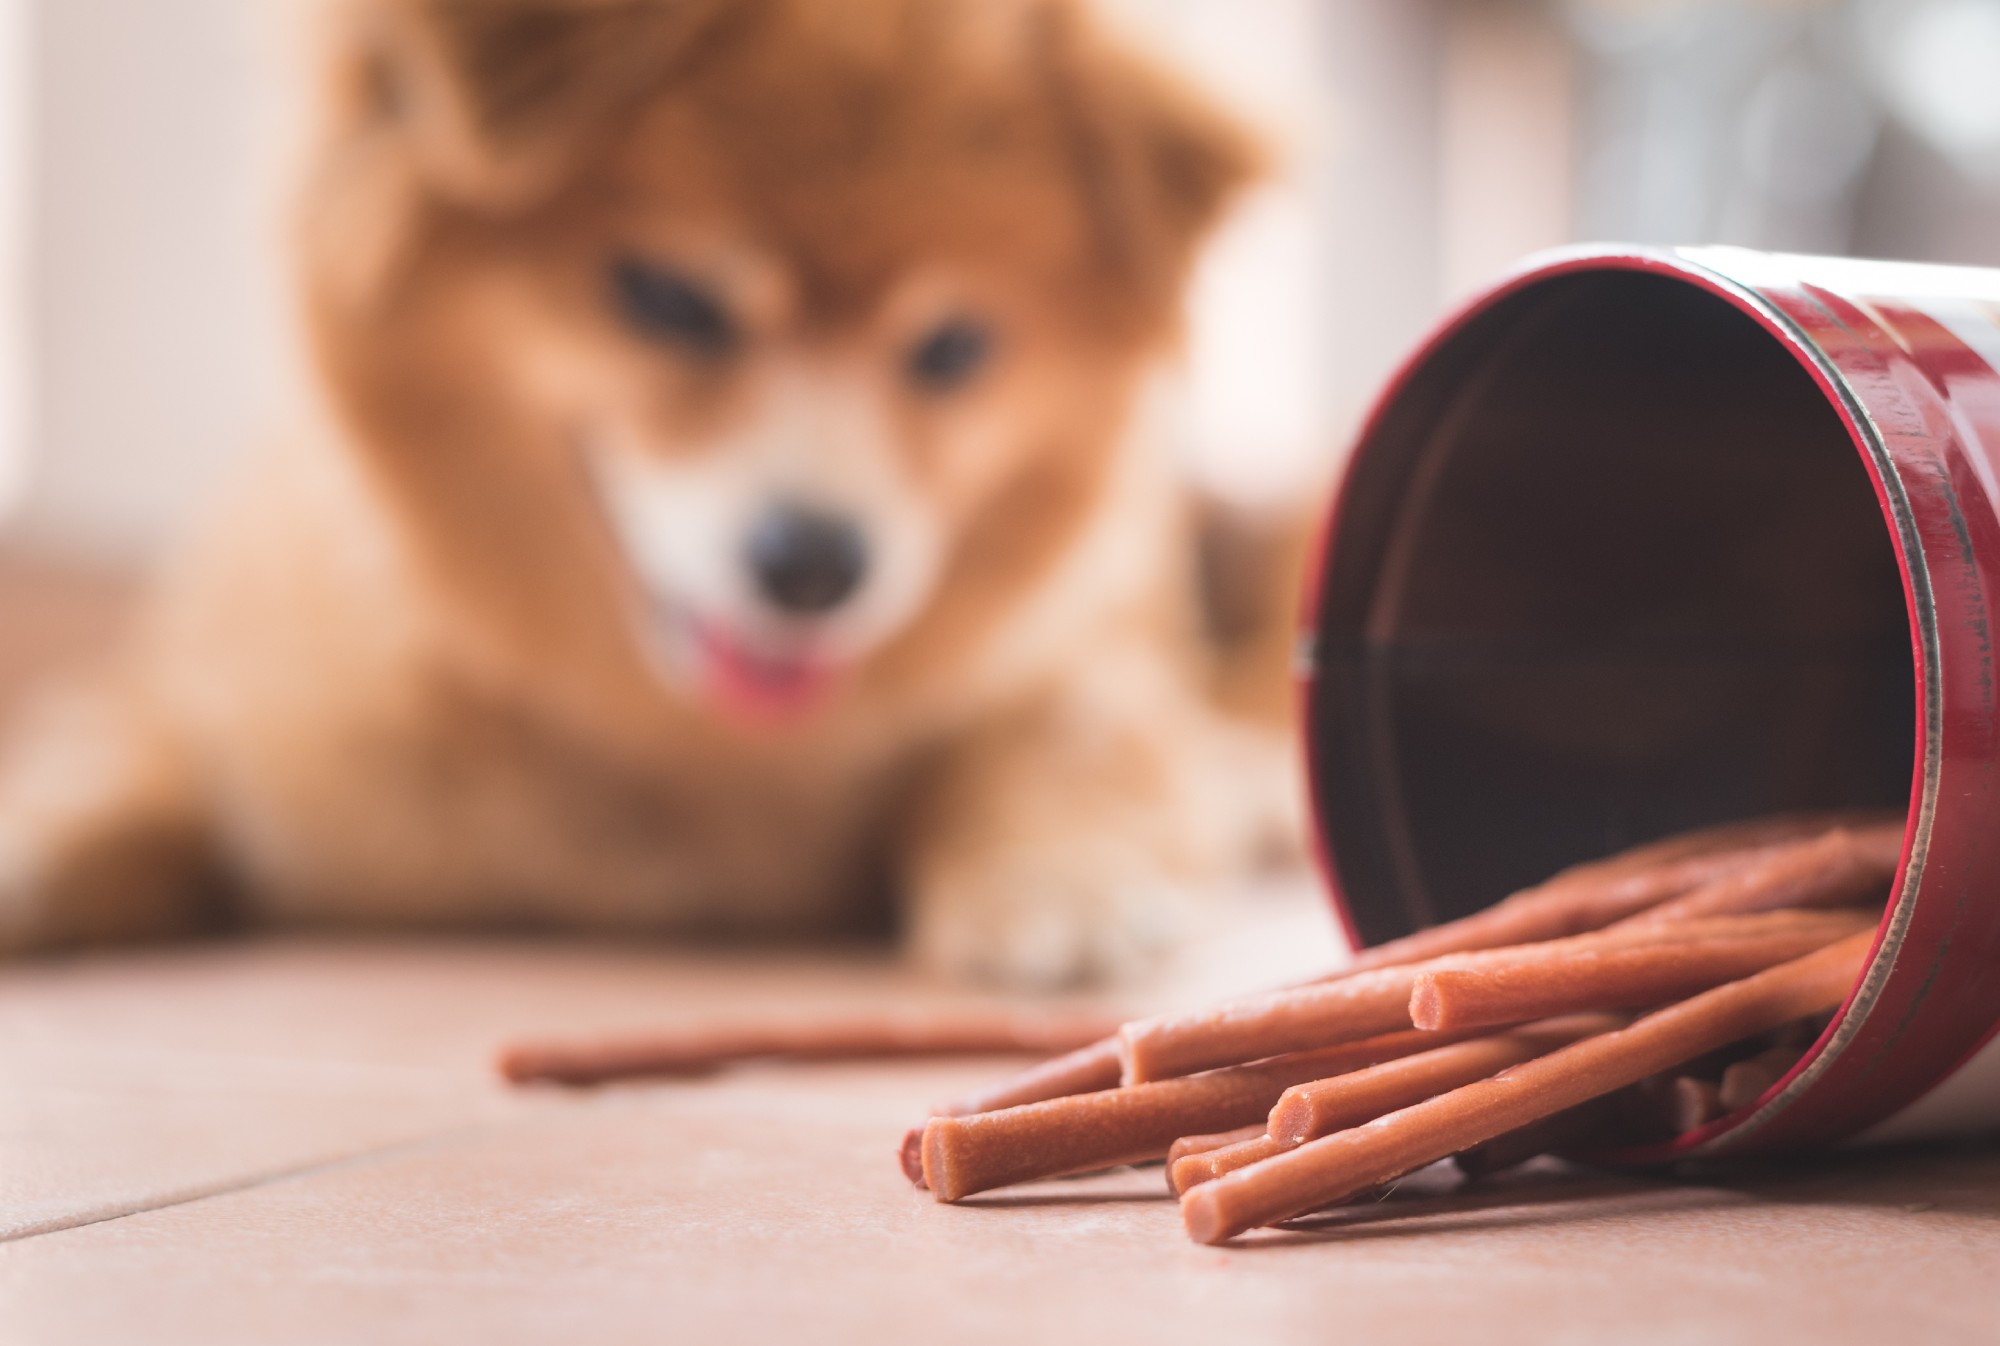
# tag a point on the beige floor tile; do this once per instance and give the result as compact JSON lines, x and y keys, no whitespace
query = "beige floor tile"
{"x":135,"y":1080}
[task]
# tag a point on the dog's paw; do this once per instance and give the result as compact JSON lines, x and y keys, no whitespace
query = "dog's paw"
{"x":1051,"y":915}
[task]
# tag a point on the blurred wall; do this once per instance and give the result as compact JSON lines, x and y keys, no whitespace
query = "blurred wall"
{"x":151,"y":309}
{"x":1428,"y":144}
{"x":1325,"y":274}
{"x":16,"y":166}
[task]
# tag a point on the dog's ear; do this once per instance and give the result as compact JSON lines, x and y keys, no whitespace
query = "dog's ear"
{"x":497,"y":99}
{"x":1157,"y":161}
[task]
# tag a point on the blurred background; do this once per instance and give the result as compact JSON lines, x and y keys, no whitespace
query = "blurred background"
{"x":1430,"y":142}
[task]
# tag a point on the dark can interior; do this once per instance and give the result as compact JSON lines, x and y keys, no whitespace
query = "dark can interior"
{"x":1609,"y":568}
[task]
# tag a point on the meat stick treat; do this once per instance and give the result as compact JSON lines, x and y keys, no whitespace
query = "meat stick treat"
{"x":1586,"y":978}
{"x":910,"y":1154}
{"x":701,"y":1050}
{"x":964,"y":1155}
{"x":1218,"y":1140}
{"x":1089,"y":1068}
{"x":1334,"y":1167}
{"x":1190,"y":1170}
{"x":1842,"y":866}
{"x":1301,"y":1019}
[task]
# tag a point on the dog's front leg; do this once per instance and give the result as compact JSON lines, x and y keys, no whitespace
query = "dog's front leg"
{"x":101,"y":833}
{"x":1065,"y":840}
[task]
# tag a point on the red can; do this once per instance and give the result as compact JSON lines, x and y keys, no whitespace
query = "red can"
{"x":1643,"y":539}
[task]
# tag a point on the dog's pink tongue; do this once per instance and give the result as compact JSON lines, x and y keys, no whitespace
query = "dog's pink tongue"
{"x":762,"y":686}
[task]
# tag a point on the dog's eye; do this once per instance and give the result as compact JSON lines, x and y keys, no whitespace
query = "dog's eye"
{"x":670,"y":307}
{"x":949,"y":355}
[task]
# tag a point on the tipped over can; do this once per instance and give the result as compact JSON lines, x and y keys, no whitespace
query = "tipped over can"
{"x":1644,"y":539}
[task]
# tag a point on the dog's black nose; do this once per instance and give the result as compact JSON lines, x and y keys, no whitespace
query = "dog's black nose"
{"x":806,"y":561}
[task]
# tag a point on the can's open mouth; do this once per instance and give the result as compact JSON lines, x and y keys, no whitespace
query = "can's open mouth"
{"x":1645,"y":540}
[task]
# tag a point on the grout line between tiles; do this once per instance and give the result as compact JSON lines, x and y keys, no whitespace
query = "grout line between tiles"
{"x":226,"y":1187}
{"x":551,"y":1111}
{"x":542,"y":1115}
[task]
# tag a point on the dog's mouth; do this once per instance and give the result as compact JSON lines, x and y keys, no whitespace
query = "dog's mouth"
{"x":756,"y":677}
{"x":757,"y":681}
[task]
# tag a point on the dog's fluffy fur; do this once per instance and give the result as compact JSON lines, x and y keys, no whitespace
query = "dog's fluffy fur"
{"x":473,"y":646}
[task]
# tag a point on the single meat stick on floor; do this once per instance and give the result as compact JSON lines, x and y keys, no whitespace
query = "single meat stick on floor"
{"x":1333,"y":1168}
{"x":964,"y":1155}
{"x":1504,"y":991}
{"x":703,"y":1049}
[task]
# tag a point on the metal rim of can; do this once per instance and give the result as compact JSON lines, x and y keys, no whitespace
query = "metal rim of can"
{"x":1854,"y":1074}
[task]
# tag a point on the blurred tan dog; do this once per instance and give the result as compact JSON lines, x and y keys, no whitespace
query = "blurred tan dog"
{"x":723,"y":511}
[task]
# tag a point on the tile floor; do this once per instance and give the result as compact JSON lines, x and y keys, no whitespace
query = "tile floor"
{"x":279,"y":1141}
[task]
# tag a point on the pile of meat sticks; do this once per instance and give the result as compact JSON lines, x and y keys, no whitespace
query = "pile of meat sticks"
{"x":1622,"y":1001}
